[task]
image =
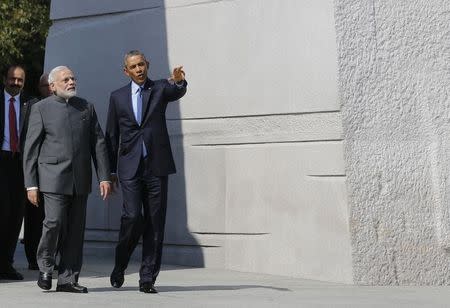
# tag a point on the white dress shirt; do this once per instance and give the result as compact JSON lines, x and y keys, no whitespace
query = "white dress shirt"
{"x":6,"y":142}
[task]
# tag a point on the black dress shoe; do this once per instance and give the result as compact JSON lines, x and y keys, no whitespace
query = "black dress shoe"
{"x":45,"y":281}
{"x":10,"y":273}
{"x":147,"y":287}
{"x":117,"y":279}
{"x":71,"y":287}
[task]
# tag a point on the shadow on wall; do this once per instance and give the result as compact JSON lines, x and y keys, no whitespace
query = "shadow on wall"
{"x":95,"y":48}
{"x":180,"y":246}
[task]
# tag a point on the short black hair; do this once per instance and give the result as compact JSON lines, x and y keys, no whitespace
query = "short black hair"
{"x":12,"y":66}
{"x":132,"y":53}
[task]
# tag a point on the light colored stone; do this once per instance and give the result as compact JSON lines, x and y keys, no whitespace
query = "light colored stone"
{"x":272,"y":176}
{"x":394,"y":84}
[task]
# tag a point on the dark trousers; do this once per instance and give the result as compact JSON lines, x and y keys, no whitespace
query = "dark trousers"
{"x":63,"y":229}
{"x":34,"y":216}
{"x":12,"y":200}
{"x":147,"y":194}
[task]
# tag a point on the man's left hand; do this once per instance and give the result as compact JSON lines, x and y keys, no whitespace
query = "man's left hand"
{"x":105,"y":189}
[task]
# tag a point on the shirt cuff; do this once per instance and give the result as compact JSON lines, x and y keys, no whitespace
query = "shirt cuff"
{"x":105,"y":182}
{"x":32,"y":188}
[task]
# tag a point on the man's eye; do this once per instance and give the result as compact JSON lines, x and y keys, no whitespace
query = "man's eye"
{"x":67,"y":79}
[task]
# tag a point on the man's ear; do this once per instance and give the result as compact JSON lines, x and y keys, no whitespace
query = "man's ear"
{"x":148,"y":64}
{"x":125,"y":71}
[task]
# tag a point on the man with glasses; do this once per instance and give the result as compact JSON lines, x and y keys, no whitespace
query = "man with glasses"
{"x":63,"y":137}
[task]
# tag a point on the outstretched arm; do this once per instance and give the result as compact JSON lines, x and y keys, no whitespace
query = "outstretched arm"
{"x":177,"y":85}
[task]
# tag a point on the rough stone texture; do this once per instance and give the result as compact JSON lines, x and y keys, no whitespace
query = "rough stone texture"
{"x":394,"y":86}
{"x":257,"y":140}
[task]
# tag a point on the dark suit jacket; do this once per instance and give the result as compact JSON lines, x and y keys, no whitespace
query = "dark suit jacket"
{"x":25,"y":106}
{"x":124,"y":136}
{"x":62,"y":139}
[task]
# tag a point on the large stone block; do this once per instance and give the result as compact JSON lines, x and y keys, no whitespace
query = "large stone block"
{"x":394,"y":84}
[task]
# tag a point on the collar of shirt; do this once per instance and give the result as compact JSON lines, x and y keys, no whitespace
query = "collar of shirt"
{"x":8,"y":96}
{"x":135,"y":88}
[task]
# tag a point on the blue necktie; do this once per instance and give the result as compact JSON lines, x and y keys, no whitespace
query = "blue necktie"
{"x":139,"y":106}
{"x":139,"y":117}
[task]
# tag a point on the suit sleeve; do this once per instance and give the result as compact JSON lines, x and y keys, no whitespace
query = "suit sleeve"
{"x":32,"y":147}
{"x":112,"y":134}
{"x":173,"y":92}
{"x":99,"y":152}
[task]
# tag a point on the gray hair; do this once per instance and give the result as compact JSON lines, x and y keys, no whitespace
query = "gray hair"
{"x":132,"y":53}
{"x":53,"y":72}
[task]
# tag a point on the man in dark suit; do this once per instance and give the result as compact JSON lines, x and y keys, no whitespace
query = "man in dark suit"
{"x":63,"y":137}
{"x":143,"y":159}
{"x":14,"y":110}
{"x":34,"y":216}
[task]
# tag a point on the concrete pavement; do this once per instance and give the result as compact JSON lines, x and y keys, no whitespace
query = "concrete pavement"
{"x":200,"y":287}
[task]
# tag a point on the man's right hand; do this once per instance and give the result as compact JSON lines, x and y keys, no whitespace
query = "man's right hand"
{"x":33,"y":197}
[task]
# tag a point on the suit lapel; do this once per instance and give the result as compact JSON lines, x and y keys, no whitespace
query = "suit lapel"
{"x":23,"y":113}
{"x":129,"y":103}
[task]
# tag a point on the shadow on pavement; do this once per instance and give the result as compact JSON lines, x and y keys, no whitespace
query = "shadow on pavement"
{"x":27,"y":276}
{"x":162,"y":289}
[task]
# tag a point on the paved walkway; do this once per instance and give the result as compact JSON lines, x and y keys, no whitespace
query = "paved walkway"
{"x":199,"y":287}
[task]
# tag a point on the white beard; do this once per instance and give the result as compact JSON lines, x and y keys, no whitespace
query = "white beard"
{"x":67,"y":94}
